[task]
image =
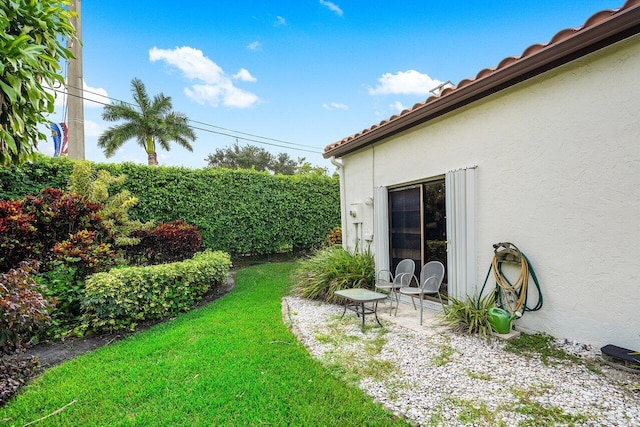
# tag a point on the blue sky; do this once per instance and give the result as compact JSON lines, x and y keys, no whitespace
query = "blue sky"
{"x":307,"y":72}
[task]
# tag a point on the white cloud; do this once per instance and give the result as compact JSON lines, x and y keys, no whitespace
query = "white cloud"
{"x":332,"y":7}
{"x":95,"y":94}
{"x":92,"y":128}
{"x":280,"y":22}
{"x":191,"y":62}
{"x":397,"y":106}
{"x":216,"y":87}
{"x":244,"y":75}
{"x":335,"y":106}
{"x":254,"y":46}
{"x":404,"y":82}
{"x":239,"y":98}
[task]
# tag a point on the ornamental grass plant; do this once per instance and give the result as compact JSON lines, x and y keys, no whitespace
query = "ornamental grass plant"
{"x":332,"y":269}
{"x":469,"y":315}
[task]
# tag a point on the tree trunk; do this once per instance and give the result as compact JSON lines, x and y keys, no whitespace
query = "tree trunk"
{"x":151,"y":151}
{"x":153,"y":159}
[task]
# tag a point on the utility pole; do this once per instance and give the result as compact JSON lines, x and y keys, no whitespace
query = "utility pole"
{"x":74,"y":87}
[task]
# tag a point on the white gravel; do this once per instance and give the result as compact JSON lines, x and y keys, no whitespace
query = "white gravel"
{"x":446,"y":379}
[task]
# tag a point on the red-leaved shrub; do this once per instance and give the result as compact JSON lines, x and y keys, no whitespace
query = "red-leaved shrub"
{"x":166,"y":242}
{"x":14,"y":373}
{"x":83,"y":251}
{"x":31,"y":228}
{"x":58,"y":214}
{"x":18,"y":239}
{"x":23,"y":309}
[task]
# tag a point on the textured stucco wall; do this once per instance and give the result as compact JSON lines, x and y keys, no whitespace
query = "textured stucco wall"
{"x":558,"y":175}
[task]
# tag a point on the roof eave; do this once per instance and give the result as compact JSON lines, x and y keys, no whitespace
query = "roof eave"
{"x":623,"y":24}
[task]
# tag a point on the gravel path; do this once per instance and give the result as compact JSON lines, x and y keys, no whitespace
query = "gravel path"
{"x":445,"y":379}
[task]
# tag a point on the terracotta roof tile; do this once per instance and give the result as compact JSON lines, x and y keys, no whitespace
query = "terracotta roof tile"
{"x":529,"y":53}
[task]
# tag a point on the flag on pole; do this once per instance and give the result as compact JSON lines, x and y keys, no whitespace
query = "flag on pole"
{"x":60,"y":139}
{"x":64,"y":150}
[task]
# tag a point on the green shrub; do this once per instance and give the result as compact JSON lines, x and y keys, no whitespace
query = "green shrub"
{"x":120,"y":298}
{"x":94,"y":186}
{"x":333,"y":269}
{"x":469,"y":317}
{"x":61,"y":286}
{"x":23,"y":309}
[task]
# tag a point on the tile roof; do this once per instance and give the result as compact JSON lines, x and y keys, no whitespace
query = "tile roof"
{"x":601,"y":29}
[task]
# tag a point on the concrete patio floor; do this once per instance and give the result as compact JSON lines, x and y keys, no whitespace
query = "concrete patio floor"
{"x":410,"y":318}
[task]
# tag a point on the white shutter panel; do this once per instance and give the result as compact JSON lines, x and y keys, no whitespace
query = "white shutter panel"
{"x":461,"y":202}
{"x":381,"y":228}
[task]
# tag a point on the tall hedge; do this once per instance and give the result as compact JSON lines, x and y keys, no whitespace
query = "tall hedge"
{"x":237,"y":211}
{"x":19,"y":181}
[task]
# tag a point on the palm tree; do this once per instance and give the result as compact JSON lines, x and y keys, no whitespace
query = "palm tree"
{"x":154,"y":123}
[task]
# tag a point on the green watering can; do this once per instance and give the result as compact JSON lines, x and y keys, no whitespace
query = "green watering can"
{"x":500,"y":320}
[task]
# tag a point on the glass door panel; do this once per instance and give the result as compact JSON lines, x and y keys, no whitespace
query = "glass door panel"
{"x":435,"y":226}
{"x":406,"y":225}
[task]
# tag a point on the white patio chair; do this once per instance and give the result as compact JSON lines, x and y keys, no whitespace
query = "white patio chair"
{"x":431,"y":278}
{"x":390,"y":283}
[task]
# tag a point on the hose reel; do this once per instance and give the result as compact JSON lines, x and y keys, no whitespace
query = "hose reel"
{"x":512,"y":297}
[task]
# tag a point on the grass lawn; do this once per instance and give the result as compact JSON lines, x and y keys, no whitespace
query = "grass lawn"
{"x":232,"y":362}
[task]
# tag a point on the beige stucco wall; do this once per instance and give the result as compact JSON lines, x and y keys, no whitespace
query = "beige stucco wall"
{"x":558,"y":175}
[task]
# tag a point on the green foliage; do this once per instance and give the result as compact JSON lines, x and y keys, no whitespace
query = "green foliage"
{"x":259,"y":159}
{"x":333,"y":269}
{"x":121,"y":297}
{"x":31,"y":49}
{"x":23,"y":309}
{"x":466,"y":317}
{"x":32,"y":177}
{"x":60,"y":285}
{"x":241,"y":212}
{"x":155,"y":124}
{"x":115,"y":211}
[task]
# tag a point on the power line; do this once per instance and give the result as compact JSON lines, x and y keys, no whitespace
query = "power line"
{"x":316,"y":150}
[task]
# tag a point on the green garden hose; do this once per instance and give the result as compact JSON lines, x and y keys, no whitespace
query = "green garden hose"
{"x":512,"y":296}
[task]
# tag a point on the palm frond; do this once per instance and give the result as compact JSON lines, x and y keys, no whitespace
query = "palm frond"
{"x":140,"y":94}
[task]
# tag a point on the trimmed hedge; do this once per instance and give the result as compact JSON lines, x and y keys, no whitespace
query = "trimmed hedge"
{"x":237,"y":211}
{"x":32,"y":177}
{"x":123,"y":296}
